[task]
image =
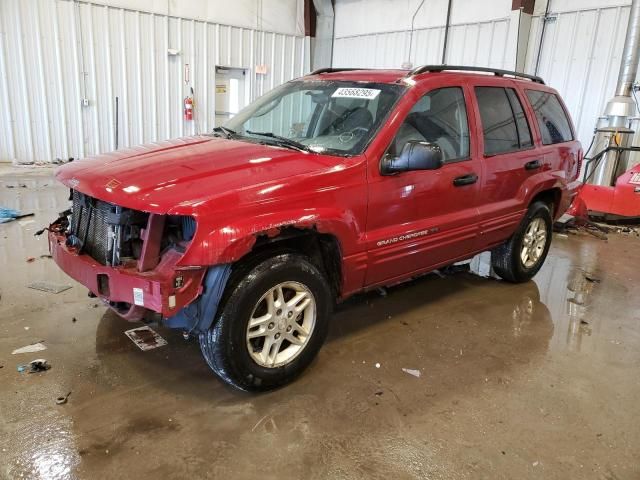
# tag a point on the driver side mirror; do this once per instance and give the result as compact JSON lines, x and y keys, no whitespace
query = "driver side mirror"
{"x":415,"y":155}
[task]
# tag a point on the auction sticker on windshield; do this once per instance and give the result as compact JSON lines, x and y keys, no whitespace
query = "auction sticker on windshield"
{"x":351,"y":92}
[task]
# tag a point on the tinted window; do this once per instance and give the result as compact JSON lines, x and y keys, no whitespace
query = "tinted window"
{"x":439,"y":117}
{"x":552,"y":119}
{"x":524,"y":133}
{"x":504,"y":124}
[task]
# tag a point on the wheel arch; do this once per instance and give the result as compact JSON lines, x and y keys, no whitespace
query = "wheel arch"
{"x":323,"y":249}
{"x":551,"y":196}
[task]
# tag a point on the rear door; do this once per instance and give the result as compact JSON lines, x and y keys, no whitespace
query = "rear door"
{"x":556,"y":136}
{"x":508,"y":157}
{"x":419,"y":220}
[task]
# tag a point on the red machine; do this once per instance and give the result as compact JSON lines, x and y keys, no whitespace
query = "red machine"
{"x":611,"y":189}
{"x":618,"y":201}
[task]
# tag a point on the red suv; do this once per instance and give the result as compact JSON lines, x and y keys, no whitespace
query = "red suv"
{"x":331,"y":184}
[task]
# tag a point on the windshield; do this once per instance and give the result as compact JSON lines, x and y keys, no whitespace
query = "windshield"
{"x":320,"y":116}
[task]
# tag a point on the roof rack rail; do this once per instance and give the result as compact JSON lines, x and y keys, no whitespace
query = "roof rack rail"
{"x":466,"y":68}
{"x":332,"y":70}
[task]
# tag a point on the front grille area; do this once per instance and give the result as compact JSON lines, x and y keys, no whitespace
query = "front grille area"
{"x":89,"y":226}
{"x":104,"y":231}
{"x":112,"y":235}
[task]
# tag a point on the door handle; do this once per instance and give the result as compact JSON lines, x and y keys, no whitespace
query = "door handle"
{"x":465,"y":180}
{"x":532,"y":165}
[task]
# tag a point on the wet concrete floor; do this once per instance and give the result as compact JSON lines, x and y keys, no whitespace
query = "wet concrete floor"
{"x":539,"y":380}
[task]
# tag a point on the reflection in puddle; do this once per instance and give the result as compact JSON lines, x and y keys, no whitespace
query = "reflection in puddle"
{"x":45,"y":449}
{"x":522,"y":315}
{"x":567,"y":292}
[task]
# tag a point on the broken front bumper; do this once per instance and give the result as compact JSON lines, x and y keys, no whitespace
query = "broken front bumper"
{"x":131,"y":293}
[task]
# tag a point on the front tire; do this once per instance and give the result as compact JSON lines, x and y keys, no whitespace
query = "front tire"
{"x":272,"y":324}
{"x":522,"y":256}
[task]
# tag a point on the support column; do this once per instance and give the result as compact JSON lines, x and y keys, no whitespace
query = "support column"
{"x":518,"y":36}
{"x":322,"y":44}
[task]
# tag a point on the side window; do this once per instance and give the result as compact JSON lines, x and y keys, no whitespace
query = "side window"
{"x":439,"y":117}
{"x":504,"y":124}
{"x":524,"y":132}
{"x":552,"y":119}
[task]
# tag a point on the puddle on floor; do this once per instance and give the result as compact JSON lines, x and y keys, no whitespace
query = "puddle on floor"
{"x":504,"y":368}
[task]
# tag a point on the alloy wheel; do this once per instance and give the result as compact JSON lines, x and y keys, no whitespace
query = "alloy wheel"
{"x":533,"y":242}
{"x":281,"y":324}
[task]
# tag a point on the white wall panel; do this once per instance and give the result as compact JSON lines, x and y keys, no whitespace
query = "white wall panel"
{"x":580,"y":57}
{"x":360,"y":17}
{"x":469,"y":43}
{"x":282,"y":16}
{"x":54,"y":53}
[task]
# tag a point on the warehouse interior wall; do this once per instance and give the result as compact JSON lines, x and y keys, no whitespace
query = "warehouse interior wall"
{"x":64,"y":62}
{"x":376,"y":33}
{"x":282,"y":16}
{"x":580,"y":55}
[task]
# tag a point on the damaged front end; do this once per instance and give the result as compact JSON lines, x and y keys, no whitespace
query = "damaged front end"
{"x":130,"y":260}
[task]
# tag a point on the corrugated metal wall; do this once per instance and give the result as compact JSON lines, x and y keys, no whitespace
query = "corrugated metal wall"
{"x":580,"y":57}
{"x":469,"y":43}
{"x":54,"y":53}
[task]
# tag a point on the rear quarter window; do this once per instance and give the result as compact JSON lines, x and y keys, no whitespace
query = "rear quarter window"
{"x":551,"y":117}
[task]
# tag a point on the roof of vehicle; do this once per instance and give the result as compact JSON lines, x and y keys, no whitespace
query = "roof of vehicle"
{"x":395,"y":75}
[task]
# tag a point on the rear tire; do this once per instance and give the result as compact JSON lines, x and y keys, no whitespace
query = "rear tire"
{"x":522,"y":256}
{"x":272,"y":324}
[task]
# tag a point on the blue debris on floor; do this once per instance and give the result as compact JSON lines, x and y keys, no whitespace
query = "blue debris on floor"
{"x":9,"y":214}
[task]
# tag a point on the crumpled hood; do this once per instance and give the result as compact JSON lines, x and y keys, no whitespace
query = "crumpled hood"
{"x":184,"y":172}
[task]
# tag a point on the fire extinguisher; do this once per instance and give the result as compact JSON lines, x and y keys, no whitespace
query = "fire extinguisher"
{"x":188,"y":108}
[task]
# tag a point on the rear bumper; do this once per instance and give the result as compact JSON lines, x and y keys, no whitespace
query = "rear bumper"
{"x":165,"y":289}
{"x":567,"y":198}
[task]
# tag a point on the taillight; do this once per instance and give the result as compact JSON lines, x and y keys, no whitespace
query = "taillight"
{"x":579,"y":167}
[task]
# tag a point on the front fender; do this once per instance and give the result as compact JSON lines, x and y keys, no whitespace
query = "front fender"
{"x":232,"y":240}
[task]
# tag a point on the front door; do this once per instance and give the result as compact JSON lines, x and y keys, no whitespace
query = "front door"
{"x":419,"y":220}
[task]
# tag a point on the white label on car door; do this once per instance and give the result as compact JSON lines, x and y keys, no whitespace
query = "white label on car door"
{"x":138,"y":297}
{"x":353,"y":92}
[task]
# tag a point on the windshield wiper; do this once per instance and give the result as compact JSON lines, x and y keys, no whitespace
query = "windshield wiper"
{"x":227,"y":131}
{"x":282,"y":141}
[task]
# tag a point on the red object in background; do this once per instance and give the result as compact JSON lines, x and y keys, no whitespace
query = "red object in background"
{"x":623,"y":199}
{"x":188,"y":108}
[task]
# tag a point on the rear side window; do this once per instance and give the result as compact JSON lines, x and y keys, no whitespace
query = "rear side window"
{"x":524,"y":133}
{"x":504,"y":124}
{"x":552,"y":119}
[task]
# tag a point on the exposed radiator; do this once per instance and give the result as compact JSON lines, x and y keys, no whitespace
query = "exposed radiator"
{"x":112,"y":235}
{"x":89,"y":225}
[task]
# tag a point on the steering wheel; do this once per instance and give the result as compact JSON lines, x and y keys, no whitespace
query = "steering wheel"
{"x":359,"y":129}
